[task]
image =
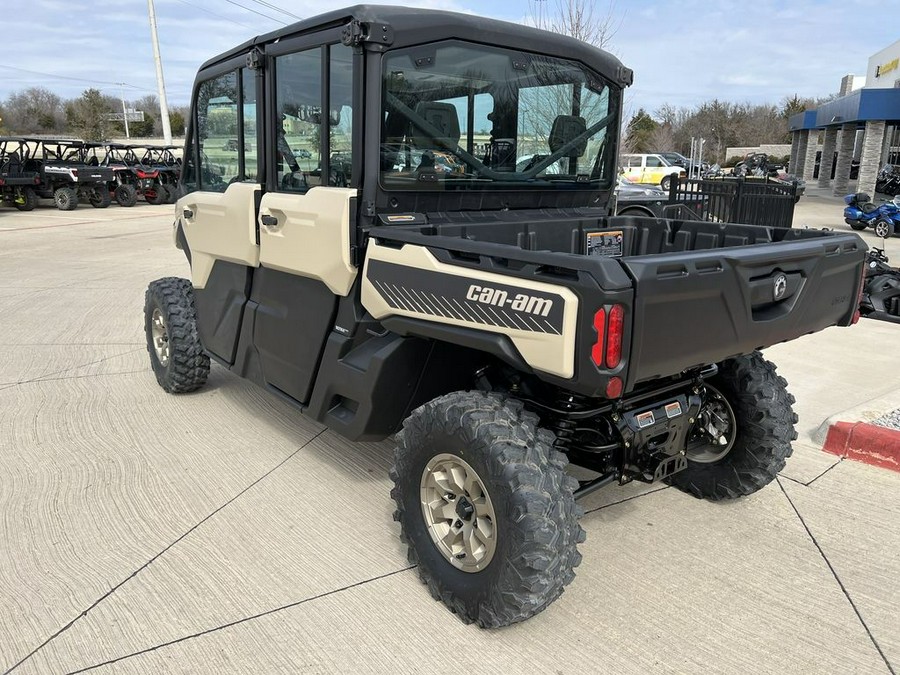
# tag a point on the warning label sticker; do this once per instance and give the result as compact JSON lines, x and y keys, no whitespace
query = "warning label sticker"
{"x":607,"y":244}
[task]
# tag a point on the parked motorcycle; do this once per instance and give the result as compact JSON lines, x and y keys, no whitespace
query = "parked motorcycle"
{"x":861,"y":213}
{"x":881,"y":292}
{"x":888,"y":181}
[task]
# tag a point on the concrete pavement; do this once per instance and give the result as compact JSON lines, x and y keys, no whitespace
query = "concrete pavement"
{"x":224,"y":532}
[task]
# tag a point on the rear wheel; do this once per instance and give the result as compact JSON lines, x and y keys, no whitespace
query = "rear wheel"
{"x":742,"y":436}
{"x":66,"y":198}
{"x":884,"y":229}
{"x":155,"y":195}
{"x":170,"y":323}
{"x":171,"y":194}
{"x":24,"y":199}
{"x":856,"y":225}
{"x":99,"y":197}
{"x":126,"y":195}
{"x":486,"y":507}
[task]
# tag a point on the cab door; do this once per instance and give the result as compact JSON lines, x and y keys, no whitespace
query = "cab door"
{"x":654,"y":170}
{"x":218,"y":210}
{"x":305,"y":214}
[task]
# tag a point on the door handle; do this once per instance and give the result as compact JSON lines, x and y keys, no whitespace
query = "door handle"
{"x":269,"y":221}
{"x":187,"y":213}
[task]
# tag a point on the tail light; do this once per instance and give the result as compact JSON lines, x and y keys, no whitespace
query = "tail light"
{"x":147,"y":174}
{"x":610,"y":328}
{"x":862,"y":289}
{"x":614,"y":335}
{"x":600,"y":328}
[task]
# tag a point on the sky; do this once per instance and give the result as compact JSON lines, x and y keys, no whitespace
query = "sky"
{"x":682,"y":53}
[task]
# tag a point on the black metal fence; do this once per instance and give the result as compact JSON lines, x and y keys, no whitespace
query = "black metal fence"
{"x":753,"y":201}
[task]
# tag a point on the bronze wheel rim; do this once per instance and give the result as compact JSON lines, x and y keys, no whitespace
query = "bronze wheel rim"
{"x":458,"y":513}
{"x":160,"y":337}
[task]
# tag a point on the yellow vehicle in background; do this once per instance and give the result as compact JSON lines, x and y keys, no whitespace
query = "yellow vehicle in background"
{"x":650,"y":169}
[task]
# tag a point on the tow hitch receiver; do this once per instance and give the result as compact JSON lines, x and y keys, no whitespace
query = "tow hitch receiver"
{"x":655,"y":438}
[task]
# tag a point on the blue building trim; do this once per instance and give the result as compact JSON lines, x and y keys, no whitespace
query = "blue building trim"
{"x":804,"y":120}
{"x":862,"y":105}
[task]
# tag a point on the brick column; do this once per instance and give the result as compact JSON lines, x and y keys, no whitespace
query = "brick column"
{"x":870,"y":159}
{"x":845,"y":156}
{"x":812,"y":147}
{"x":795,"y":146}
{"x":803,"y":136}
{"x":828,"y":145}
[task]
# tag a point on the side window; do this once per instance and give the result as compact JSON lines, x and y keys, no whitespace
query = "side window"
{"x":250,"y":150}
{"x":217,"y":132}
{"x":341,"y":115}
{"x":298,"y":120}
{"x":654,"y":162}
{"x":634,"y":162}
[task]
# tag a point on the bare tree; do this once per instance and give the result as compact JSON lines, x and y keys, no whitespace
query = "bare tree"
{"x":34,"y":110}
{"x":580,"y":19}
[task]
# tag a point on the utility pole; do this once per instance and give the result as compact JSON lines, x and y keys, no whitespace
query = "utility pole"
{"x":124,"y":109}
{"x":160,"y":83}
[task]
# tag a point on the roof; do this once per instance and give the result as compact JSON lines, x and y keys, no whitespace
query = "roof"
{"x":411,"y":26}
{"x":860,"y":106}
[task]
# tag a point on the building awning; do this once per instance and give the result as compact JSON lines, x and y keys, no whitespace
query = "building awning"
{"x":860,"y":106}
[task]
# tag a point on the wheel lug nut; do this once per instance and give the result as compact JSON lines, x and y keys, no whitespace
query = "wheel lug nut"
{"x":460,"y":556}
{"x":450,"y":496}
{"x":457,"y":524}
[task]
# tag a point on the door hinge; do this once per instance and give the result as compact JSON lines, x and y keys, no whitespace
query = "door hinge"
{"x":356,"y":32}
{"x":255,"y":59}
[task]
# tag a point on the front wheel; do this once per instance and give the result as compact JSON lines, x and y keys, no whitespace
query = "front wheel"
{"x":99,"y":197}
{"x":665,"y":183}
{"x":742,"y":435}
{"x":170,"y":324}
{"x":486,"y":507}
{"x":156,"y":195}
{"x":884,"y":229}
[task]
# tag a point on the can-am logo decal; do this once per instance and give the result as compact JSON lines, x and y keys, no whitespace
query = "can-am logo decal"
{"x":780,"y":286}
{"x":519,"y":302}
{"x":456,"y":297}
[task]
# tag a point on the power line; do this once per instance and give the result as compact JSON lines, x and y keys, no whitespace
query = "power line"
{"x":270,"y":18}
{"x":220,"y":16}
{"x":76,"y":79}
{"x":277,"y":9}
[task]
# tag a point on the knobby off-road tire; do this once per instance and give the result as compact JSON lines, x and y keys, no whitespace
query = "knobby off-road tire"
{"x":156,"y":195}
{"x":171,"y":194}
{"x":66,"y":198}
{"x":24,"y":199}
{"x":535,"y":525}
{"x":170,"y":323}
{"x":764,"y":428}
{"x":126,"y":195}
{"x":99,"y":197}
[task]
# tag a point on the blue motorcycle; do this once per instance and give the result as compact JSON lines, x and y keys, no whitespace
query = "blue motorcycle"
{"x":862,"y":213}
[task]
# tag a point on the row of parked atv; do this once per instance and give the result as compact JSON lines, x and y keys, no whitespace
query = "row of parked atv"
{"x":71,"y":172}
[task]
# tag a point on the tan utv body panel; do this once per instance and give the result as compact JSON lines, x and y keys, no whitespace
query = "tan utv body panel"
{"x":223,"y":227}
{"x":312,"y":237}
{"x":544,"y":351}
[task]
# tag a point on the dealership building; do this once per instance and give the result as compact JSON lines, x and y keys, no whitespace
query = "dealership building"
{"x":860,"y":125}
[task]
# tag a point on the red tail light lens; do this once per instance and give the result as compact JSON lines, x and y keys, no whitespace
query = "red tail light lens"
{"x":614,"y":387}
{"x":614,"y":333}
{"x":600,"y":327}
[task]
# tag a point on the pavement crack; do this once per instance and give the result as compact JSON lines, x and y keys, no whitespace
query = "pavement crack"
{"x":159,"y":554}
{"x":837,"y":578}
{"x":824,"y":472}
{"x":627,"y":499}
{"x":252,"y":617}
{"x":49,"y":376}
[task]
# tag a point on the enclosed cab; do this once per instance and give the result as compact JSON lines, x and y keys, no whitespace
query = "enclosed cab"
{"x":399,"y":222}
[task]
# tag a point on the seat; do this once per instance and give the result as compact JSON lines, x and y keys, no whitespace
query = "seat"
{"x":441,"y":116}
{"x":565,"y":129}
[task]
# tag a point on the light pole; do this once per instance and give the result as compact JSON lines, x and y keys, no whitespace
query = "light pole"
{"x":124,"y":109}
{"x":160,"y":83}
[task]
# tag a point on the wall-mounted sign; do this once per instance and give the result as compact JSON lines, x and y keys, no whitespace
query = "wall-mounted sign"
{"x":887,"y":67}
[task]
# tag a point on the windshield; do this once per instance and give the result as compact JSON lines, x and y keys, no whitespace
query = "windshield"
{"x":464,"y":116}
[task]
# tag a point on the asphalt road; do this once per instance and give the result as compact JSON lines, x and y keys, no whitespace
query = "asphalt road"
{"x":224,"y":532}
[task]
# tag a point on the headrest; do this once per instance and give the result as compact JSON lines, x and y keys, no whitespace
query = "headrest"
{"x":565,"y":129}
{"x":443,"y":117}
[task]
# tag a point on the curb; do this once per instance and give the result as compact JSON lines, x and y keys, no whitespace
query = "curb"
{"x":863,"y":442}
